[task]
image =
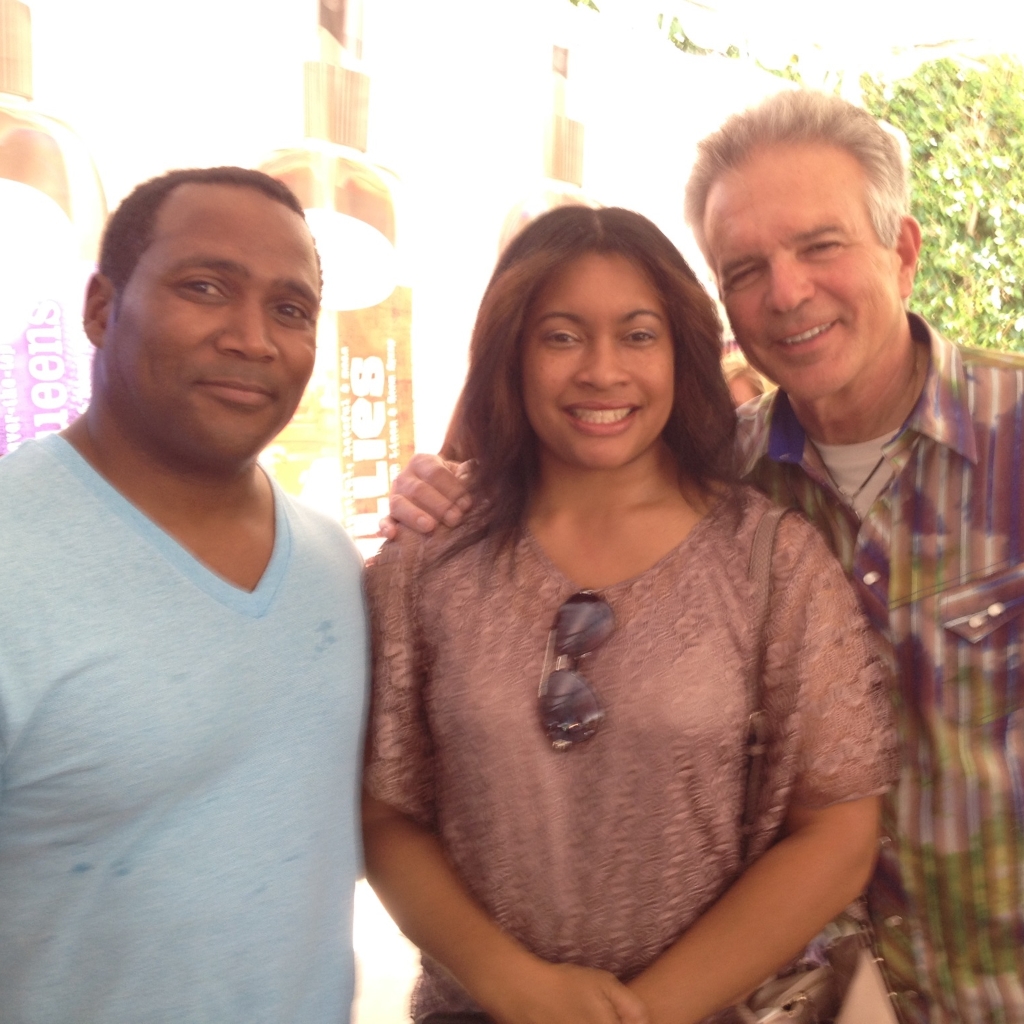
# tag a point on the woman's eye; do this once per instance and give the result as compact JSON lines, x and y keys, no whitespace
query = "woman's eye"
{"x":639,"y":337}
{"x":561,"y":338}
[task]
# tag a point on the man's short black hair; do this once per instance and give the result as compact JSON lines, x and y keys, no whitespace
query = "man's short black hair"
{"x":129,"y":230}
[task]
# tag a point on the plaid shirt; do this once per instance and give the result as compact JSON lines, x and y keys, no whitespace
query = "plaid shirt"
{"x":939,"y":565}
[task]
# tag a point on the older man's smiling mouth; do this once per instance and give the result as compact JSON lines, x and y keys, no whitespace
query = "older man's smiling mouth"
{"x":795,"y":339}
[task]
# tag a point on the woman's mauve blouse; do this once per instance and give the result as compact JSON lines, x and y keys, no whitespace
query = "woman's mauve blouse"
{"x":604,"y":854}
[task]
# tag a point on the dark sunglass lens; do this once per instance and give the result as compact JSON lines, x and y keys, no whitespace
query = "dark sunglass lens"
{"x":569,"y":710}
{"x":582,"y":624}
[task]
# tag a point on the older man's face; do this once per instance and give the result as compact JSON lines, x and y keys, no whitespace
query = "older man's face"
{"x":814,"y":298}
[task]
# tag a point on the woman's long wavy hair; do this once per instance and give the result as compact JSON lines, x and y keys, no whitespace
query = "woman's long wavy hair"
{"x":489,"y":425}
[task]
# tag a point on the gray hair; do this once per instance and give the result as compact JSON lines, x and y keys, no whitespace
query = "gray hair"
{"x":802,"y":116}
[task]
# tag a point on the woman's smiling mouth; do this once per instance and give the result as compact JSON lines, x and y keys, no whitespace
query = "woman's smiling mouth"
{"x":600,"y":415}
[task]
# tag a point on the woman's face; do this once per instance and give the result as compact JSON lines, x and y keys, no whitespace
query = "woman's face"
{"x":598,"y":365}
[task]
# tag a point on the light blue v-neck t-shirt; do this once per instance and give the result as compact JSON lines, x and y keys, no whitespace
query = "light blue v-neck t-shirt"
{"x":179,"y":763}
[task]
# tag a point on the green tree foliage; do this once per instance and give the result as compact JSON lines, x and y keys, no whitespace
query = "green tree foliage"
{"x":965,"y":125}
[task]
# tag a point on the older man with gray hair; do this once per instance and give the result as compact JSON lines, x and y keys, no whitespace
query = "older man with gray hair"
{"x":906,"y":452}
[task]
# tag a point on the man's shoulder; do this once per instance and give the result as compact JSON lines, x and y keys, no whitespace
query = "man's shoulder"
{"x":29,"y":458}
{"x":995,"y":387}
{"x":31,"y":477}
{"x":946,"y":352}
{"x":990,"y":358}
{"x":318,"y":533}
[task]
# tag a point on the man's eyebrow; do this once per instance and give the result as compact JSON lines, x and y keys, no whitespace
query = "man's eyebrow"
{"x":815,"y":232}
{"x":212,"y":263}
{"x":799,"y":239}
{"x":241,"y":270}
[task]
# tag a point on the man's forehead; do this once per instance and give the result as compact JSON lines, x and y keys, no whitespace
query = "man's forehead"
{"x":233,"y":219}
{"x":209,"y":207}
{"x":782,"y":190}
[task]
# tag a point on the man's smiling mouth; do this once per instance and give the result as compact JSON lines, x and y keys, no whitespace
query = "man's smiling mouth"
{"x":795,"y":339}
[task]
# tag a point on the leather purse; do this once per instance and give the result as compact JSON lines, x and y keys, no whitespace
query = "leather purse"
{"x":849,"y":988}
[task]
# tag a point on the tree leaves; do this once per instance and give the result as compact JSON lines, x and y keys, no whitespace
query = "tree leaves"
{"x":965,"y":125}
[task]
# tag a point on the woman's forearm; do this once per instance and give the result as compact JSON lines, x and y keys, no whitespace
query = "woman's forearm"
{"x":407,"y":868}
{"x":767,"y":916}
{"x":410,"y":873}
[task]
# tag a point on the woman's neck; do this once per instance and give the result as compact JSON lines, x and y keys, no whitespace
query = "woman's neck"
{"x":600,"y":527}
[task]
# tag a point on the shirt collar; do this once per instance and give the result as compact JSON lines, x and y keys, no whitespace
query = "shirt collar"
{"x":941,"y":412}
{"x":786,"y":437}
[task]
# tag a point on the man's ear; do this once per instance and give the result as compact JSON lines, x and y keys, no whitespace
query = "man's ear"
{"x":99,"y":308}
{"x":908,"y":247}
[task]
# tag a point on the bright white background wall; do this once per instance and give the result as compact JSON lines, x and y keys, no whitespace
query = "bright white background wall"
{"x":460,"y":90}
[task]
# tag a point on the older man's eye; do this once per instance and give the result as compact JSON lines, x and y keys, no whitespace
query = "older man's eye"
{"x":823,"y":248}
{"x":739,"y":278}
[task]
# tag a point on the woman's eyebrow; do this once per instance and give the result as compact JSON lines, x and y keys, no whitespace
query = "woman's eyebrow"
{"x":642,"y":312}
{"x":577,"y":319}
{"x":556,"y":314}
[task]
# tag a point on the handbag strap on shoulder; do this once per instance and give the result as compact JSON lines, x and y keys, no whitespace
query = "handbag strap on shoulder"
{"x":759,"y":572}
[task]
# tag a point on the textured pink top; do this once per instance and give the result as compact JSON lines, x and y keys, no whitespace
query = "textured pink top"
{"x":604,"y":854}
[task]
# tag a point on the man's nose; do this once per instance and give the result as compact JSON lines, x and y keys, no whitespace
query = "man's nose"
{"x":789,"y":285}
{"x":248,"y":331}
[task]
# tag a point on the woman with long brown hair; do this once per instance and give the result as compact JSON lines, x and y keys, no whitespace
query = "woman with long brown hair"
{"x":557,"y":752}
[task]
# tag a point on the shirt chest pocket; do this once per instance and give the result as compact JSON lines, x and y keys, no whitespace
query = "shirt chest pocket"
{"x":983,"y":627}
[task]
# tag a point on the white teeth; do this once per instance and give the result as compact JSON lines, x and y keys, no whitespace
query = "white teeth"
{"x":601,"y":415}
{"x":807,"y":335}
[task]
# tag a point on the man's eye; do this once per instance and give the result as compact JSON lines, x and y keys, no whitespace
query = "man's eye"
{"x":201,"y":287}
{"x":739,"y":278}
{"x":292,"y":312}
{"x":822,"y":248}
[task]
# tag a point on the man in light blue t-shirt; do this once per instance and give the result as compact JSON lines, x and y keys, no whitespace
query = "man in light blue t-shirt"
{"x":182,"y":648}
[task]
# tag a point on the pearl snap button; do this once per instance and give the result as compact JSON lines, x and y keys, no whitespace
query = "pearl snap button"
{"x":996,"y":609}
{"x":871,"y":578}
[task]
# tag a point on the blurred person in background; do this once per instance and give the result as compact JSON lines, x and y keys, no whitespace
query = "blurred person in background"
{"x":745,"y":383}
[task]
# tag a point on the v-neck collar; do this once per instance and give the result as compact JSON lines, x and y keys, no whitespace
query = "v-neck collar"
{"x":253,"y":603}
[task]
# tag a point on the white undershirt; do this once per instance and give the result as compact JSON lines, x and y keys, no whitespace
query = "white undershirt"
{"x":850,"y":466}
